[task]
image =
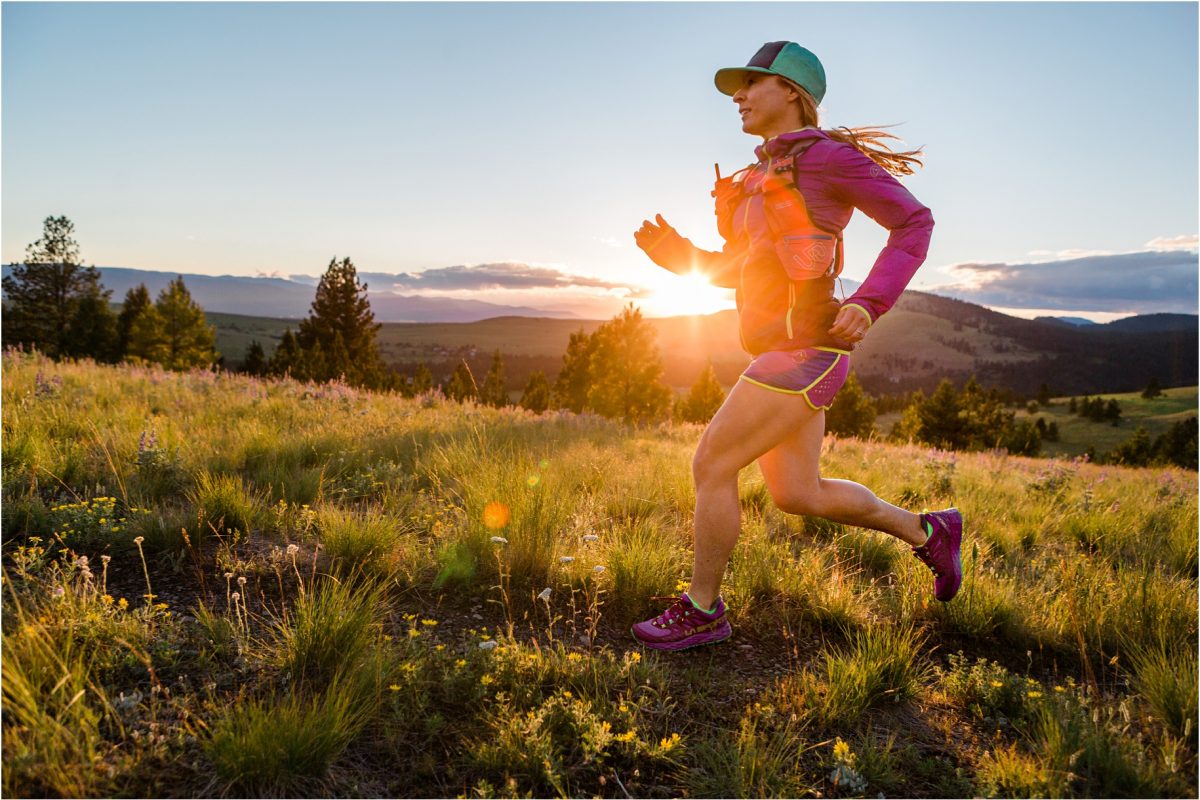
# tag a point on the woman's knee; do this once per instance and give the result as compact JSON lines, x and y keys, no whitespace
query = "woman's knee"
{"x":709,"y":467}
{"x":801,"y":500}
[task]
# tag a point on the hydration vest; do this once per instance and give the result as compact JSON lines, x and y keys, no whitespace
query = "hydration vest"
{"x":809,"y":256}
{"x":805,"y":249}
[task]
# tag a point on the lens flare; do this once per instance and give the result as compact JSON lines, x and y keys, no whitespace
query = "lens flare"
{"x":495,"y":515}
{"x":532,"y":480}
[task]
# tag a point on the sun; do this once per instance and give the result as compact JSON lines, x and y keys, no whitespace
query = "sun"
{"x":678,"y":295}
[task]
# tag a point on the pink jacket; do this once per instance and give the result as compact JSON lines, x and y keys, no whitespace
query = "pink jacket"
{"x":834,"y":178}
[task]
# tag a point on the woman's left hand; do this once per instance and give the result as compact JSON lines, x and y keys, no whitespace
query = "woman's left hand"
{"x":850,"y":325}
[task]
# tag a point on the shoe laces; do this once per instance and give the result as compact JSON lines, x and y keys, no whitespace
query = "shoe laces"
{"x":676,"y":612}
{"x":922,"y":554}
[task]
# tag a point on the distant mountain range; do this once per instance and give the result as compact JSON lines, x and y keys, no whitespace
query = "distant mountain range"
{"x":290,"y":298}
{"x":923,"y":339}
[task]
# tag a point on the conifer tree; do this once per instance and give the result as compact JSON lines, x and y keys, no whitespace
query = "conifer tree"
{"x":908,"y":427}
{"x":703,"y":399}
{"x":462,"y":384}
{"x":42,"y":295}
{"x":286,"y":356}
{"x":137,"y":300}
{"x":92,"y":331}
{"x":626,"y":370}
{"x":575,"y":378}
{"x":1152,"y":389}
{"x":255,"y":362}
{"x":853,"y":411}
{"x":174,"y":331}
{"x":342,"y":323}
{"x":941,"y":420}
{"x":422,"y":380}
{"x":493,"y":393}
{"x":536,"y":396}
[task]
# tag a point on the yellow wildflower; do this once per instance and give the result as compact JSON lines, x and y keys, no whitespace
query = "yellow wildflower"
{"x":1034,"y":695}
{"x":395,"y":687}
{"x":487,"y":680}
{"x":429,"y":622}
{"x":667,"y":744}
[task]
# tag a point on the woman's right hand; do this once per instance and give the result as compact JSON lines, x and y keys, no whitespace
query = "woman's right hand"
{"x":662,"y":243}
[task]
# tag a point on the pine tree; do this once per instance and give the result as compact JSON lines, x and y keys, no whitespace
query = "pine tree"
{"x":575,"y":378}
{"x":1152,"y":389}
{"x":1071,"y":406}
{"x":42,"y":295}
{"x":627,"y":371}
{"x":703,"y":399}
{"x":174,"y":331}
{"x":1178,"y":445}
{"x":536,"y":396}
{"x":1051,"y":432}
{"x":342,"y":323}
{"x":853,"y":411}
{"x":286,"y":356}
{"x":1112,"y":412}
{"x":92,"y":331}
{"x":1043,"y":395}
{"x":255,"y":362}
{"x":908,"y":427}
{"x":422,"y":380}
{"x":942,"y":422}
{"x":137,"y":300}
{"x":1136,"y":451}
{"x":462,"y":384}
{"x":493,"y":392}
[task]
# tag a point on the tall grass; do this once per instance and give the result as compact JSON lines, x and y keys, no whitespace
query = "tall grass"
{"x":329,"y":629}
{"x":330,"y":678}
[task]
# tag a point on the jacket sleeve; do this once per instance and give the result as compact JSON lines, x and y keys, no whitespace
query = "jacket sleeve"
{"x":723,"y":268}
{"x":860,"y":182}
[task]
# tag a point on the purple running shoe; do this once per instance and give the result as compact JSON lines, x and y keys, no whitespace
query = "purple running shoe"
{"x":941,"y":553}
{"x":683,"y":625}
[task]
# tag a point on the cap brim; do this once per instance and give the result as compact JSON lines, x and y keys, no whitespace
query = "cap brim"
{"x":730,"y":79}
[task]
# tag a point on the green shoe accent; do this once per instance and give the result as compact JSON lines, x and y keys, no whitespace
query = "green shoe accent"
{"x":699,"y":607}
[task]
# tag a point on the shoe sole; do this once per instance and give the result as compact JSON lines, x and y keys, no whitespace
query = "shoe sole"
{"x":686,"y":644}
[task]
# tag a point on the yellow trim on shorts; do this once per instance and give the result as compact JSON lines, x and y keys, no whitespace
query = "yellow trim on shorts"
{"x":832,"y":350}
{"x":802,"y":392}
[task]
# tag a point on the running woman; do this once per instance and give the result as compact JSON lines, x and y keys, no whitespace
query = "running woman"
{"x":782,"y":220}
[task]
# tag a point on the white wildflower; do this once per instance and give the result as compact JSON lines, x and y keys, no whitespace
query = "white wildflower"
{"x":566,"y":559}
{"x":489,"y":644}
{"x":544,"y":594}
{"x":598,"y":568}
{"x":499,"y":540}
{"x":591,"y":537}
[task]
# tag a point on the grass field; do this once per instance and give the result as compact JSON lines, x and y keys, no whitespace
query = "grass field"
{"x":1077,"y":434}
{"x":220,"y":586}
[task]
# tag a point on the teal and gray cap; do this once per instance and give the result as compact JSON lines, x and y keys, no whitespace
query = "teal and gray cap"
{"x":785,"y":59}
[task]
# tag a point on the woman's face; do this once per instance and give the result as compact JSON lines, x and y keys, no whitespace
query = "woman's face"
{"x":767,"y":105}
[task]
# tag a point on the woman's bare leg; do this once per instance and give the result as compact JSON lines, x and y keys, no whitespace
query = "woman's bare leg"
{"x":751,"y":422}
{"x":793,"y":476}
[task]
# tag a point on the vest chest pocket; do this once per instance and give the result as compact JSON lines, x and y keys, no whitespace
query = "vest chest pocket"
{"x":806,"y":256}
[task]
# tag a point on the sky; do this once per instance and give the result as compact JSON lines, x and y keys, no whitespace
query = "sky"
{"x":507,"y":152}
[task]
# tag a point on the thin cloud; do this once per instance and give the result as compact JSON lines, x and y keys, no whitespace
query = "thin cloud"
{"x":1186,"y":242}
{"x":1143,"y":282}
{"x":502,"y":275}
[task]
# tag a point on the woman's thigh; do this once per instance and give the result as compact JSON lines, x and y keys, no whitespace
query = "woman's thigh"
{"x":792,"y":469}
{"x":752,"y":421}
